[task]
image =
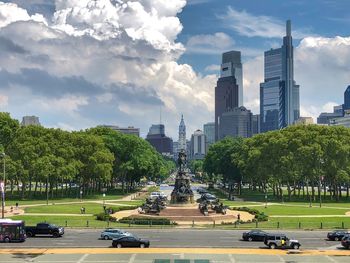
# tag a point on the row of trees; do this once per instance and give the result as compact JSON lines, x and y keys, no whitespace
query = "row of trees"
{"x":307,"y":160}
{"x":94,"y":159}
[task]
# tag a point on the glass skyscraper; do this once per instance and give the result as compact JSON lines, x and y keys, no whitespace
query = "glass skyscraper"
{"x":279,"y":95}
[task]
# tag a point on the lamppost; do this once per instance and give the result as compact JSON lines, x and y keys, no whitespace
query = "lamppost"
{"x":47,"y":190}
{"x":3,"y":188}
{"x":265,"y":197}
{"x":319,"y":182}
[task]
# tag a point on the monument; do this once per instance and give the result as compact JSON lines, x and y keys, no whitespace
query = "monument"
{"x":182,"y":193}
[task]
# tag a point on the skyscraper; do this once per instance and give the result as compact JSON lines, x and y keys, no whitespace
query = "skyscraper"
{"x":236,"y":123}
{"x":279,"y":94}
{"x":209,"y":132}
{"x":156,"y":137}
{"x":198,"y":149}
{"x":346,"y":105}
{"x":182,"y":135}
{"x":30,"y":120}
{"x":229,"y":88}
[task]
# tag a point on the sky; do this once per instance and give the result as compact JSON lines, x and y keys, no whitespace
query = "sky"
{"x":77,"y":64}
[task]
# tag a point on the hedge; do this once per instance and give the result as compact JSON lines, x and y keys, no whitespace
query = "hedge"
{"x":146,"y":221}
{"x":259,"y":216}
{"x":105,"y":216}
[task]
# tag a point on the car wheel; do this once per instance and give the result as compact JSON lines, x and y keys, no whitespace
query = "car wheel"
{"x":295,"y":246}
{"x":250,"y":239}
{"x":142,"y":245}
{"x":119,"y":245}
{"x":7,"y":240}
{"x":55,"y":234}
{"x":106,"y":237}
{"x":272,"y":246}
{"x":29,"y":234}
{"x":336,"y":239}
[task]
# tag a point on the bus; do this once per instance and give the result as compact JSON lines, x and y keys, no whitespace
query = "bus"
{"x":12,"y":231}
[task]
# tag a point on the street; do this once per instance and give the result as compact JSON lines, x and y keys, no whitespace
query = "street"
{"x":173,"y":238}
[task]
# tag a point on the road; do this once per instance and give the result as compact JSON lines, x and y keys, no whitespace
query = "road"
{"x":173,"y":238}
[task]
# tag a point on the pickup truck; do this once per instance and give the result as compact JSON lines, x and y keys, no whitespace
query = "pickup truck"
{"x":44,"y":229}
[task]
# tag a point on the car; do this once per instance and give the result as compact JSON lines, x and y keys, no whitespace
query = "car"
{"x":208,"y":198}
{"x":130,"y":241}
{"x":337,"y":235}
{"x":154,"y":195}
{"x":345,"y":242}
{"x":254,"y":235}
{"x":275,"y":241}
{"x":111,"y":233}
{"x":44,"y":229}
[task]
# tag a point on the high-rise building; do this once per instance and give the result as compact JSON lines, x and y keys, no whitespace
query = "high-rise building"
{"x":182,"y":135}
{"x":236,"y":123}
{"x":209,"y":132}
{"x":346,"y":105}
{"x":326,"y":117}
{"x":229,"y":87}
{"x":279,"y":94}
{"x":129,"y":130}
{"x":198,"y":148}
{"x":255,"y":124}
{"x":30,"y":120}
{"x":157,"y":138}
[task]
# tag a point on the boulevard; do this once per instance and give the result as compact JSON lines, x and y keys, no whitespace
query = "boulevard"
{"x":175,"y":238}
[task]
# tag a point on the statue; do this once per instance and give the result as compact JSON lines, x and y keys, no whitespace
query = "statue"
{"x":182,"y":192}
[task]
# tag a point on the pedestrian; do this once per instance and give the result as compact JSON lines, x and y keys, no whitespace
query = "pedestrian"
{"x":82,"y":210}
{"x":16,"y":205}
{"x":11,"y":209}
{"x":283,"y":242}
{"x":239,"y":217}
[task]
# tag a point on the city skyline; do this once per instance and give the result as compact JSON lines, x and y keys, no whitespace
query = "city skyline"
{"x":75,"y":70}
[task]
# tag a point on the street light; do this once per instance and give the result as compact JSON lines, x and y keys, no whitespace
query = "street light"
{"x":3,"y":189}
{"x":319,"y":181}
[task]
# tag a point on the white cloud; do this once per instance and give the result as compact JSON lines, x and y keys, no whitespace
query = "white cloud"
{"x":3,"y":101}
{"x":10,"y":13}
{"x":251,"y":25}
{"x":212,"y":67}
{"x":216,"y":43}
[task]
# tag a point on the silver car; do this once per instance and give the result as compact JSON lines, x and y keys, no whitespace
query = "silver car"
{"x":111,"y":233}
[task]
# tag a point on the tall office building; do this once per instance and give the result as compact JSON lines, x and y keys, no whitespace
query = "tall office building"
{"x":198,"y":148}
{"x":156,"y":137}
{"x":279,"y":94}
{"x":182,"y":145}
{"x":255,"y":124}
{"x":326,"y":117}
{"x":209,"y":132}
{"x":30,"y":120}
{"x":346,"y":105}
{"x":229,"y":87}
{"x":126,"y":130}
{"x":236,"y":123}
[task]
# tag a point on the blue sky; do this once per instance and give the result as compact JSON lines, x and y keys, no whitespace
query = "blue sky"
{"x":80,"y":63}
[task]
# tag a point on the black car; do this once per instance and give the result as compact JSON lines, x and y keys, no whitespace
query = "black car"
{"x":254,"y":235}
{"x":130,"y":241}
{"x":44,"y":229}
{"x":336,"y":235}
{"x":345,"y":242}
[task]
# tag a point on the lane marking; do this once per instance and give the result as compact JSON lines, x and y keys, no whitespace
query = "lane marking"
{"x":331,"y":259}
{"x":82,"y":258}
{"x":132,"y":258}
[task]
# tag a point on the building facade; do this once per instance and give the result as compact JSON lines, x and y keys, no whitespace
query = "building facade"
{"x":305,"y":121}
{"x":325,"y":117}
{"x":157,"y":138}
{"x":229,"y":88}
{"x":30,"y":120}
{"x":255,"y":124}
{"x":346,"y":105}
{"x":209,"y":132}
{"x":198,"y":145}
{"x":129,"y":130}
{"x":236,"y":123}
{"x":279,"y":94}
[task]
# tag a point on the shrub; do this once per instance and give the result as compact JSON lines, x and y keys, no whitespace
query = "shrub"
{"x":146,"y":221}
{"x":105,"y":217}
{"x":258,"y":216}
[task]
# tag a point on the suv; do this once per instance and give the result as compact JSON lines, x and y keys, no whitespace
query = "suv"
{"x":345,"y":242}
{"x":275,"y":241}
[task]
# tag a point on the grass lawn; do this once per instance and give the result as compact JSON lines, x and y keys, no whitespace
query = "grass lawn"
{"x":90,"y":208}
{"x":71,"y":221}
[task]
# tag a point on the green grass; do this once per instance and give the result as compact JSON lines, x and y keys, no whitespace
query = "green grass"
{"x":90,"y":208}
{"x":71,"y":221}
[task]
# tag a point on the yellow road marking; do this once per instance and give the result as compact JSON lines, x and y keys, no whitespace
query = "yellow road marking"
{"x":173,"y":251}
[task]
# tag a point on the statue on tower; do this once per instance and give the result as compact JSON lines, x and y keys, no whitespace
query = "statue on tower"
{"x":182,"y":192}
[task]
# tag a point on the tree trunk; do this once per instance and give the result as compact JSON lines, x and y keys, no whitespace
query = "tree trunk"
{"x":35,"y":188}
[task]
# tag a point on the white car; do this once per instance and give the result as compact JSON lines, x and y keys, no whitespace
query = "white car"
{"x":154,"y":195}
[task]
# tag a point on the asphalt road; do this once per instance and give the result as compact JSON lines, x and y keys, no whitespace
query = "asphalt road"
{"x":174,"y":238}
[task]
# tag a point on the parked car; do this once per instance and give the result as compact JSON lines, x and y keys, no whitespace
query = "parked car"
{"x":111,"y":233}
{"x":345,"y":242}
{"x":130,"y":241}
{"x":254,"y":235}
{"x":208,"y":198}
{"x":337,"y":235}
{"x":275,"y":241}
{"x":44,"y":229}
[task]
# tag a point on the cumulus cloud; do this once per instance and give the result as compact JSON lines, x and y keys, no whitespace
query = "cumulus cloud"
{"x":214,"y":44}
{"x":94,"y":62}
{"x":212,"y":67}
{"x":247,"y":24}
